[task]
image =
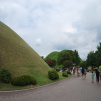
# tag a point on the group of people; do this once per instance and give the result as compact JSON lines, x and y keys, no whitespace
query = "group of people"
{"x":96,"y":72}
{"x":80,"y":72}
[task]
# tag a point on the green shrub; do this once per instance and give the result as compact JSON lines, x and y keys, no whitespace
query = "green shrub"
{"x":68,"y":72}
{"x":53,"y":75}
{"x":64,"y":74}
{"x":57,"y":69}
{"x":23,"y":80}
{"x":5,"y":76}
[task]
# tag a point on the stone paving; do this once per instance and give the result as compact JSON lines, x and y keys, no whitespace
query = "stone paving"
{"x":72,"y":89}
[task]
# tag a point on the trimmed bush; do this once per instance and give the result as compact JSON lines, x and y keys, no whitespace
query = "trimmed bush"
{"x":57,"y":69}
{"x":68,"y":72}
{"x":23,"y":80}
{"x":53,"y":75}
{"x":5,"y":76}
{"x":64,"y":74}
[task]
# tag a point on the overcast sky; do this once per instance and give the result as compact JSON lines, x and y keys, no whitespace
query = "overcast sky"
{"x":55,"y":25}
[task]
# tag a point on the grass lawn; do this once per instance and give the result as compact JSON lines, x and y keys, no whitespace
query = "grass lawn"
{"x":9,"y":87}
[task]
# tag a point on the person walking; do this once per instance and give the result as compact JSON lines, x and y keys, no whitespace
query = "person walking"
{"x":100,"y":72}
{"x":78,"y":72}
{"x":85,"y":72}
{"x":97,"y":74}
{"x":92,"y":76}
{"x":82,"y":71}
{"x":74,"y":71}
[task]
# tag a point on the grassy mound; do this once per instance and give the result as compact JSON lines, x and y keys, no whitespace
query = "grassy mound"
{"x":19,"y":58}
{"x":52,"y":56}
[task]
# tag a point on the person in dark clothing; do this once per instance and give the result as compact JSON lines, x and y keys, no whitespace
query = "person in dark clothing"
{"x":74,"y":70}
{"x":82,"y":71}
{"x":97,"y":74}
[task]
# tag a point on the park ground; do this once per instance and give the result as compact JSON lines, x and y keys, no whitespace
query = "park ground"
{"x":71,"y":89}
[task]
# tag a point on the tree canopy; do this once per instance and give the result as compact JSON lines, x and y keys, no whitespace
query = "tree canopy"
{"x":91,"y":59}
{"x":66,"y":55}
{"x":77,"y":58}
{"x":94,"y":58}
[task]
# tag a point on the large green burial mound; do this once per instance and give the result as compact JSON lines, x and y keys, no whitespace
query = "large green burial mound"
{"x":19,"y":58}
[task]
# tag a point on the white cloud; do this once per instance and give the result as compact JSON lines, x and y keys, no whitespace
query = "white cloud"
{"x":38,"y":41}
{"x":69,"y":29}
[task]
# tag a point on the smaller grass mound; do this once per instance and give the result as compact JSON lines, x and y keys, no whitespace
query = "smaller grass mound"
{"x":52,"y":56}
{"x":23,"y":80}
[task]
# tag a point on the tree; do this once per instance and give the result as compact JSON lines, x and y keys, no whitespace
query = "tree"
{"x":72,"y":53}
{"x":65,"y":55}
{"x":98,"y":55}
{"x":51,"y":63}
{"x":83,"y":64}
{"x":94,"y":58}
{"x":91,"y":59}
{"x":67,"y":64}
{"x":99,"y":47}
{"x":77,"y":60}
{"x":42,"y":57}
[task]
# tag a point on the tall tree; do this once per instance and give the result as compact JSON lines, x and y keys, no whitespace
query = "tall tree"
{"x":63,"y":55}
{"x":66,"y":55}
{"x":91,"y":59}
{"x":83,"y":64}
{"x":77,"y":58}
{"x":99,"y":47}
{"x":67,"y":64}
{"x":94,"y":59}
{"x":98,"y":55}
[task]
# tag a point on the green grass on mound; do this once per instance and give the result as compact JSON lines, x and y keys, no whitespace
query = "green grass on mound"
{"x":52,"y":56}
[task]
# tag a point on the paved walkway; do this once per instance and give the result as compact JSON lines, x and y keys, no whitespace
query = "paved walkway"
{"x":72,"y":89}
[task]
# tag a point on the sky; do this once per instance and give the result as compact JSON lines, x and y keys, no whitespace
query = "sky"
{"x":55,"y":25}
